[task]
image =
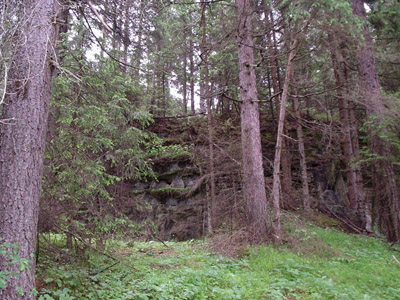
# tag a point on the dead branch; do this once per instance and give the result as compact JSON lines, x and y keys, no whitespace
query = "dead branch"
{"x":396,"y":260}
{"x":94,"y":10}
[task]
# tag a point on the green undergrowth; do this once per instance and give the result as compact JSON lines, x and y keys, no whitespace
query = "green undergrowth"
{"x":321,"y":263}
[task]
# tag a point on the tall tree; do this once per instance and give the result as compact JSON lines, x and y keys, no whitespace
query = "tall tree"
{"x":22,"y":138}
{"x":371,"y":89}
{"x":253,"y":173}
{"x":276,"y":188}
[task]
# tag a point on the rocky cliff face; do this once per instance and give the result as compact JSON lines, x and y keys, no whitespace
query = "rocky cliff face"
{"x":175,"y":200}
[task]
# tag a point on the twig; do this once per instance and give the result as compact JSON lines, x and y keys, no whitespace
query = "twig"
{"x":57,"y":66}
{"x":5,"y":84}
{"x":396,"y":260}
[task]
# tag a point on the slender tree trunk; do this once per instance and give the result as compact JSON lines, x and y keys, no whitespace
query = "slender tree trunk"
{"x":185,"y":99}
{"x":205,"y":94}
{"x":191,"y":61}
{"x":126,"y":37}
{"x":22,"y":140}
{"x":302,"y":152}
{"x":253,"y":172}
{"x":286,"y":175}
{"x":338,"y":65}
{"x":203,"y":57}
{"x":138,"y":50}
{"x":385,"y":174}
{"x":278,"y":148}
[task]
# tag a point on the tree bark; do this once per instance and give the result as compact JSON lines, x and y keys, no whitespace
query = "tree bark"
{"x":371,"y":90}
{"x":278,"y":149}
{"x":253,"y":173}
{"x":22,"y":139}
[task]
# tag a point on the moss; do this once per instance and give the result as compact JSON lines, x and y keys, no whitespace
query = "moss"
{"x":138,"y":192}
{"x":168,"y":176}
{"x":168,"y":158}
{"x":167,"y":192}
{"x":324,"y":221}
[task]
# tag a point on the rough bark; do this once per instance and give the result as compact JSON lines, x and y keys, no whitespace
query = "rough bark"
{"x":385,"y":176}
{"x":22,"y":139}
{"x":253,"y":173}
{"x":276,"y":187}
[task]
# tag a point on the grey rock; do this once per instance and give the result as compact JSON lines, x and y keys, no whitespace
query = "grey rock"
{"x":174,"y":167}
{"x":140,"y":186}
{"x":153,"y":184}
{"x":189,"y":182}
{"x":162,"y":184}
{"x":172,"y":202}
{"x":178,"y":183}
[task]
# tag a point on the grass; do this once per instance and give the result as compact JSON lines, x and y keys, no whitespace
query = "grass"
{"x":342,"y":267}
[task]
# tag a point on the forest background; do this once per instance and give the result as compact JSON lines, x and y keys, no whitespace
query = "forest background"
{"x":298,"y":109}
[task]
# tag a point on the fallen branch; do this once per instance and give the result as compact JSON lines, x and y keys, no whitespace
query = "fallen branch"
{"x":396,"y":260}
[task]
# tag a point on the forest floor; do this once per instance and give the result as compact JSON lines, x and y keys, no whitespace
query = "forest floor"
{"x":317,"y":262}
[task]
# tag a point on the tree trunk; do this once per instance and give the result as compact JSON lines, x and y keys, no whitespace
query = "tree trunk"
{"x":206,"y":98}
{"x":253,"y":172}
{"x":302,"y":152}
{"x":384,"y":171}
{"x":338,"y":65}
{"x":22,"y":140}
{"x":203,"y":57}
{"x":126,"y":36}
{"x":185,"y":99}
{"x":191,"y":61}
{"x":276,"y":85}
{"x":139,"y":50}
{"x":278,"y":149}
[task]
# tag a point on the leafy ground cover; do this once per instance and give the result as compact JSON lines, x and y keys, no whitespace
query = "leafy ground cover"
{"x":321,"y":263}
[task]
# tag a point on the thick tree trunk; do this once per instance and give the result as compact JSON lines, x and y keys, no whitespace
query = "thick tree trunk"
{"x":22,"y":139}
{"x":276,"y":187}
{"x":384,"y":171}
{"x":253,"y":173}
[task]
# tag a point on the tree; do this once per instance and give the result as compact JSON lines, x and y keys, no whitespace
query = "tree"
{"x":376,"y":112}
{"x":22,"y":137}
{"x":253,"y":173}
